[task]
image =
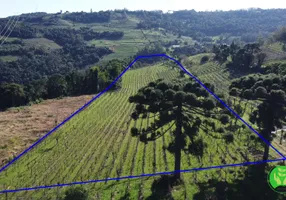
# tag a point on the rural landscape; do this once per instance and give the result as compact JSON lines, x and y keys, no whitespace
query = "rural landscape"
{"x":198,"y":95}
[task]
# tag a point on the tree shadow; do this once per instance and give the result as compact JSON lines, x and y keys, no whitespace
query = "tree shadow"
{"x":121,"y":182}
{"x":253,"y":186}
{"x":162,"y":188}
{"x":125,"y":197}
{"x":234,"y":71}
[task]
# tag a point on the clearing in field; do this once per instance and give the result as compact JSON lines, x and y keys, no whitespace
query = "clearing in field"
{"x":97,"y":144}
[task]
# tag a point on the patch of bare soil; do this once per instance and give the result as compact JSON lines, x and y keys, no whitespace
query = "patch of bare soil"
{"x":20,"y":127}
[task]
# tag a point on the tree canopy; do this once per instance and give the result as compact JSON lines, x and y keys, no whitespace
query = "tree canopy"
{"x":176,"y":107}
{"x":269,"y":91}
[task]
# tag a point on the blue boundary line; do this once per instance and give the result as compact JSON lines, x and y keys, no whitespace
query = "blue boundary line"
{"x":106,"y":89}
{"x":139,"y":176}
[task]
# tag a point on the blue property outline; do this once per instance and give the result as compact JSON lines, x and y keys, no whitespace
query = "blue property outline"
{"x":106,"y":89}
{"x":138,"y":176}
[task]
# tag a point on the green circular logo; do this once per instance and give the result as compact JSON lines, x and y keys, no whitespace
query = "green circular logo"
{"x":277,"y":179}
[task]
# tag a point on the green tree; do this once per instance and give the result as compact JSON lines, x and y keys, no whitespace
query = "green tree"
{"x":114,"y":68}
{"x":102,"y":80}
{"x":75,"y":83}
{"x":271,"y":110}
{"x":221,"y":52}
{"x":204,"y":59}
{"x":248,"y":57}
{"x":280,"y":35}
{"x":92,"y":80}
{"x":36,"y":90}
{"x":11,"y":94}
{"x":178,"y":103}
{"x":56,"y":86}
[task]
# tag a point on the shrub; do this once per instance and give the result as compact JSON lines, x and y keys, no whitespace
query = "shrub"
{"x":221,"y":130}
{"x":76,"y":193}
{"x":204,"y":59}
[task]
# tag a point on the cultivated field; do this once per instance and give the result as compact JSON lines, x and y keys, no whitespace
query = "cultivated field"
{"x":97,"y":144}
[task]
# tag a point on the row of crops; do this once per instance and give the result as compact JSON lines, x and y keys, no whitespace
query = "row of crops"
{"x":97,"y":144}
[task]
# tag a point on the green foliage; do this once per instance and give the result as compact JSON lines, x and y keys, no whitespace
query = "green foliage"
{"x":247,"y":93}
{"x":233,"y":92}
{"x":154,"y":48}
{"x":224,"y":119}
{"x":221,"y":130}
{"x":84,"y":17}
{"x":271,"y":110}
{"x":259,"y":92}
{"x":56,"y":86}
{"x":229,"y":138}
{"x":65,"y":36}
{"x":77,"y":193}
{"x":247,"y":58}
{"x":38,"y":63}
{"x":11,"y":95}
{"x":204,"y":59}
{"x":74,"y":83}
{"x":221,"y":52}
{"x":276,"y":67}
{"x":188,"y":50}
{"x":280,"y":35}
{"x":178,"y":103}
{"x":89,"y":143}
{"x":235,"y":23}
{"x":251,"y":185}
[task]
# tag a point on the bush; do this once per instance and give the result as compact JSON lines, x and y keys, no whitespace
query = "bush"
{"x":221,"y":130}
{"x":76,"y":193}
{"x":229,"y":138}
{"x":204,"y":59}
{"x":224,"y":119}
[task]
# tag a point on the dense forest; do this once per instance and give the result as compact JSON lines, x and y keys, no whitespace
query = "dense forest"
{"x":77,"y":53}
{"x":73,"y":84}
{"x":236,"y":23}
{"x":187,"y":22}
{"x":35,"y":66}
{"x":38,"y":62}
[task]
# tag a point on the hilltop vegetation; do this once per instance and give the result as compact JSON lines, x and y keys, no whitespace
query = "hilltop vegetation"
{"x":155,"y":118}
{"x":83,"y":39}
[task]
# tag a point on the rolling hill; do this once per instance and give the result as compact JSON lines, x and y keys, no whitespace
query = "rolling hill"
{"x":88,"y":51}
{"x":97,"y":144}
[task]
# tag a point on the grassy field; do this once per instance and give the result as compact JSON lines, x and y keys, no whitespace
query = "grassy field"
{"x":41,"y":42}
{"x":133,"y":41}
{"x":211,"y":72}
{"x":8,"y":58}
{"x":276,"y":46}
{"x":97,"y":144}
{"x":274,"y":51}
